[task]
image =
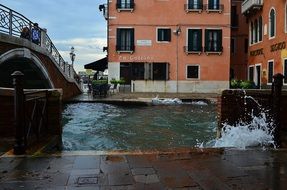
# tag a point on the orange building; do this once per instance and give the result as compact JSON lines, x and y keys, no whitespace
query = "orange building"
{"x":239,"y":42}
{"x":170,"y":45}
{"x":267,"y":40}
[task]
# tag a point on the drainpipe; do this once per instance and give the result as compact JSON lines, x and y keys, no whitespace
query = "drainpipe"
{"x":177,"y":33}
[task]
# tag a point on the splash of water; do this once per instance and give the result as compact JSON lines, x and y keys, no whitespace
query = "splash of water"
{"x":259,"y":132}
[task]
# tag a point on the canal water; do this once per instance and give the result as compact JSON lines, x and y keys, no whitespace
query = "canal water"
{"x":97,"y":126}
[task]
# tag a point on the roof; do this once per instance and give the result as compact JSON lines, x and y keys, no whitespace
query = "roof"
{"x":99,"y":65}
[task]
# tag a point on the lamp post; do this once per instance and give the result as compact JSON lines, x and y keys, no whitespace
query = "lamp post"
{"x":72,"y":55}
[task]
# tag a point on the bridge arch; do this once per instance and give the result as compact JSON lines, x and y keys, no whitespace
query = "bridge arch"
{"x":26,"y":61}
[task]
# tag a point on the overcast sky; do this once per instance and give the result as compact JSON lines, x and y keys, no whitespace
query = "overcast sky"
{"x":77,"y":23}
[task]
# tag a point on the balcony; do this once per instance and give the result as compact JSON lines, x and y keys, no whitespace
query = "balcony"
{"x":249,"y":5}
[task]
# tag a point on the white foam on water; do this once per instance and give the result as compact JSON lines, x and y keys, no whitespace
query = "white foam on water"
{"x":166,"y":101}
{"x":256,"y":133}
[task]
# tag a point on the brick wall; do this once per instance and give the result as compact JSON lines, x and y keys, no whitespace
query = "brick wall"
{"x":232,"y":108}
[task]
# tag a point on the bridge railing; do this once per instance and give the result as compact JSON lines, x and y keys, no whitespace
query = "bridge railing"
{"x":13,"y":23}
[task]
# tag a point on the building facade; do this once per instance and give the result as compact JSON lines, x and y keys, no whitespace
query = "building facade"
{"x":170,"y":45}
{"x":267,"y":40}
{"x":239,"y":42}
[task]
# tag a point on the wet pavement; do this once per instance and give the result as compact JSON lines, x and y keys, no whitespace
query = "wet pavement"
{"x":195,"y":169}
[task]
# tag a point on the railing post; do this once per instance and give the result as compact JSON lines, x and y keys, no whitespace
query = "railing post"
{"x":10,"y":22}
{"x":19,"y":147}
{"x":275,"y":107}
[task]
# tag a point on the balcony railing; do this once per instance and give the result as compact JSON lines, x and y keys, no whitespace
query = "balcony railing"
{"x":125,"y":6}
{"x":125,"y":48}
{"x":13,"y":24}
{"x":248,"y":5}
{"x":193,"y":7}
{"x":192,"y":50}
{"x":213,"y":50}
{"x":214,"y":8}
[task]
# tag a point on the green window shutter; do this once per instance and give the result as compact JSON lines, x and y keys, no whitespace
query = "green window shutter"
{"x":199,"y":43}
{"x":206,"y":48}
{"x":132,"y":39}
{"x":219,"y":40}
{"x":158,"y":35}
{"x":118,"y":39}
{"x":189,"y":42}
{"x":131,"y":4}
{"x":168,"y":33}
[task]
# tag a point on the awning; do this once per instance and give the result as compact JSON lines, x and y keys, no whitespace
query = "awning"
{"x":100,"y":65}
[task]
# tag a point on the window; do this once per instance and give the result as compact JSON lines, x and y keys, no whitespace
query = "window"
{"x":125,"y":39}
{"x":160,"y":71}
{"x":232,"y":46}
{"x":260,"y":29}
{"x":255,"y":31}
{"x":251,"y":73}
{"x":192,"y":72}
{"x":213,"y":40}
{"x":251,"y":33}
{"x":194,"y":43}
{"x":270,"y":71}
{"x":194,"y":5}
{"x":285,"y":71}
{"x":125,"y":4}
{"x":163,"y":34}
{"x":138,"y":71}
{"x":213,"y":5}
{"x":272,"y":23}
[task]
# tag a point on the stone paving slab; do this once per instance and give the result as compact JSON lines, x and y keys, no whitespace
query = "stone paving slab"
{"x":195,"y":169}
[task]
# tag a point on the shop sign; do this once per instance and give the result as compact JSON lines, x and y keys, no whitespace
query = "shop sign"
{"x":278,"y":46}
{"x":256,"y":52}
{"x":136,"y":58}
{"x":144,"y":42}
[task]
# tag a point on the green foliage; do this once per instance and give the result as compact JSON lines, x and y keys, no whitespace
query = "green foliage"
{"x":114,"y":81}
{"x":242,"y":84}
{"x":95,"y":82}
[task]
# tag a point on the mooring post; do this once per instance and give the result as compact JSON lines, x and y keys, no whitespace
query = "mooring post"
{"x":275,"y":107}
{"x":19,"y":147}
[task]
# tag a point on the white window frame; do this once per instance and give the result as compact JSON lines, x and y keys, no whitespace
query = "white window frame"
{"x":186,"y":71}
{"x":164,"y":42}
{"x":269,"y":24}
{"x":271,"y":60}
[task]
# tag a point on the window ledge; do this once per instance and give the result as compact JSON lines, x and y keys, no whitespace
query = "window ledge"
{"x":214,"y":10}
{"x":193,"y":52}
{"x":125,"y":9}
{"x":213,"y":52}
{"x":124,"y":51}
{"x":194,"y":10}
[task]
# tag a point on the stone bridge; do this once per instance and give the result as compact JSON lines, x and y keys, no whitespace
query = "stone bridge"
{"x":42,"y":65}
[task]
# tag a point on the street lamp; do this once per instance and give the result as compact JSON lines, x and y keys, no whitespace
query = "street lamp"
{"x":72,"y":55}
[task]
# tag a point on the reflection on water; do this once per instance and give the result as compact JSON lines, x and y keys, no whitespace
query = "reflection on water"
{"x":96,"y":126}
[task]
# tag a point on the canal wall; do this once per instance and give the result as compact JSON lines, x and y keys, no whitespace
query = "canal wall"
{"x":54,"y":111}
{"x":233,"y":106}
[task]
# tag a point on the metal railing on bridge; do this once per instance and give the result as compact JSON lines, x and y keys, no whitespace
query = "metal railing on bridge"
{"x":13,"y":24}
